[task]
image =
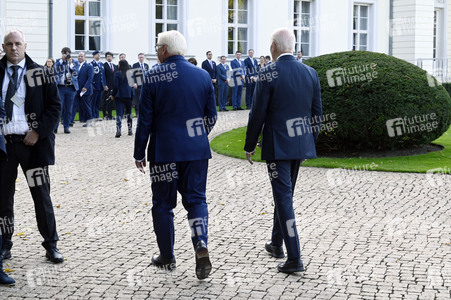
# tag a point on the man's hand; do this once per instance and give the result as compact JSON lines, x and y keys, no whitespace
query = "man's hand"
{"x":243,"y":77}
{"x":141,"y":165}
{"x":248,"y":157}
{"x":213,"y":80}
{"x":31,"y":138}
{"x":105,"y":88}
{"x":135,"y":86}
{"x":83,"y":90}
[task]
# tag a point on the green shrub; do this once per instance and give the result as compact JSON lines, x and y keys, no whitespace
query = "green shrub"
{"x":378,"y":88}
{"x":447,"y":86}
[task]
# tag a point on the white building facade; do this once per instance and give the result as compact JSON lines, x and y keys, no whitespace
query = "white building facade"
{"x":414,"y":30}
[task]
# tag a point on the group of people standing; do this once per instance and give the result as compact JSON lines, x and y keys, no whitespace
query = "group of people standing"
{"x":86,"y":87}
{"x":239,"y":73}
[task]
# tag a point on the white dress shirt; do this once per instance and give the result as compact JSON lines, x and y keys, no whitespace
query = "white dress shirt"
{"x":18,"y":124}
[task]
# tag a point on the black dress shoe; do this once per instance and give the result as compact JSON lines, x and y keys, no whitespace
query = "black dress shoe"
{"x":5,"y":254}
{"x":118,"y":135}
{"x":275,"y":251}
{"x":66,"y":131}
{"x":71,"y":125}
{"x":291,"y":266}
{"x":235,"y":109}
{"x":203,"y":264}
{"x":239,"y":108}
{"x":5,"y":279}
{"x":165,"y":263}
{"x":130,"y":132}
{"x":55,"y":131}
{"x":54,"y":255}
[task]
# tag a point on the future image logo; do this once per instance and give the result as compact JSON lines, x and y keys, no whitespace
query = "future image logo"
{"x":196,"y":127}
{"x":350,"y":75}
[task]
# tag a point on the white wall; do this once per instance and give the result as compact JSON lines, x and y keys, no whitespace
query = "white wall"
{"x":31,"y":17}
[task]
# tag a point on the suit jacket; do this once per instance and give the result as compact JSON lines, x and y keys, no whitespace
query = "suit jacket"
{"x":60,"y":68}
{"x":288,"y":108}
{"x":251,"y":70}
{"x":138,"y":73}
{"x":109,"y":75}
{"x":207,"y":67}
{"x":222,"y":74}
{"x":85,"y":77}
{"x":98,"y":81}
{"x":177,"y":110}
{"x":2,"y":139}
{"x":122,"y":88}
{"x":42,"y":107}
{"x":238,"y":69}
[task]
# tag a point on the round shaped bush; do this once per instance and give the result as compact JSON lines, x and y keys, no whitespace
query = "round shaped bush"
{"x":376,"y":101}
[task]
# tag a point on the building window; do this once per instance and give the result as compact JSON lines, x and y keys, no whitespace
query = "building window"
{"x":360,"y":28}
{"x":166,"y":16}
{"x":238,"y":25}
{"x":88,"y":25}
{"x":301,"y":26}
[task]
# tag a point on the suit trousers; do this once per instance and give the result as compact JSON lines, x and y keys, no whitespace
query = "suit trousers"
{"x":283,"y":175}
{"x":39,"y":184}
{"x":223,"y":91}
{"x":250,"y":88}
{"x":123,"y":104}
{"x":136,"y":99}
{"x":67,"y":95}
{"x":84,"y":108}
{"x":190,"y":180}
{"x":96,"y":95}
{"x":237,"y":90}
{"x":107,"y":106}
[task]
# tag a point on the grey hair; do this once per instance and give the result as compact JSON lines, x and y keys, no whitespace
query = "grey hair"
{"x":174,"y":41}
{"x":13,"y":31}
{"x":284,"y":39}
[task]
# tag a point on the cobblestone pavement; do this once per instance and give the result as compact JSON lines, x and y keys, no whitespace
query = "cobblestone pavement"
{"x":364,"y":235}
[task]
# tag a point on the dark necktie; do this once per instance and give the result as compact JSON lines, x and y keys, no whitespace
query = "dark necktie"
{"x":10,"y":92}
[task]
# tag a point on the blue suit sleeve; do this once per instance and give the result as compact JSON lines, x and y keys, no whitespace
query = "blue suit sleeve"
{"x":257,"y":114}
{"x":145,"y":119}
{"x":210,"y":110}
{"x":316,"y":106}
{"x":88,"y":83}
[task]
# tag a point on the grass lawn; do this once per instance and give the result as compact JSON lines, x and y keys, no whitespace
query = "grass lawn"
{"x":231,"y":143}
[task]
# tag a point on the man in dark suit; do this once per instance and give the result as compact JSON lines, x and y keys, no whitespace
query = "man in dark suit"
{"x":177,"y":112}
{"x":32,"y":106}
{"x":4,"y":278}
{"x":210,"y":66}
{"x":252,"y":69}
{"x":98,"y":84}
{"x":223,"y":83}
{"x":238,"y":75}
{"x":139,"y":69}
{"x":66,"y":73}
{"x":109,"y":69}
{"x":84,"y":92}
{"x":287,"y":106}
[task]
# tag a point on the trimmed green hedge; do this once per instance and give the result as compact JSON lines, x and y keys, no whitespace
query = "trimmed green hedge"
{"x":378,"y":102}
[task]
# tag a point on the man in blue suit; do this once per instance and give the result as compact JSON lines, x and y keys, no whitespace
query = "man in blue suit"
{"x":84,"y":92}
{"x":66,"y":72}
{"x":252,"y":69}
{"x":98,"y":83}
{"x":287,"y":106}
{"x":139,"y":69}
{"x":178,"y":111}
{"x":238,"y":74}
{"x":223,"y":83}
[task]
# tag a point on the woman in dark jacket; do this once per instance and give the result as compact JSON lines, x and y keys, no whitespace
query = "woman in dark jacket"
{"x":123,"y":95}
